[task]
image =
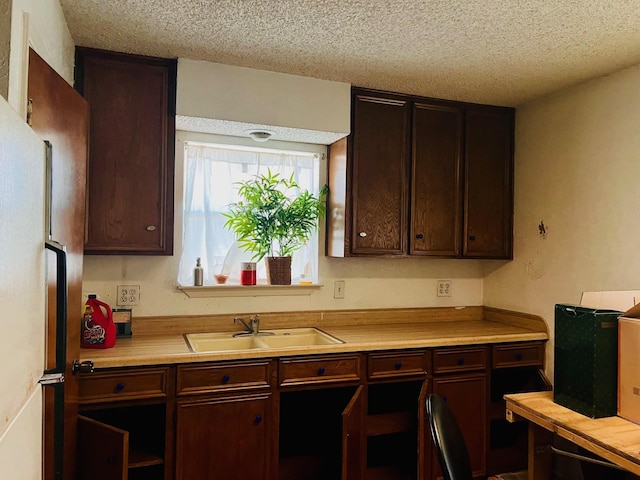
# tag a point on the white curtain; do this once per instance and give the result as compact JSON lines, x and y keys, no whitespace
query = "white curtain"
{"x":211,"y":172}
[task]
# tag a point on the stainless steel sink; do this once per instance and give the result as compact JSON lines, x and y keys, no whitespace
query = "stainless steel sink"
{"x":281,"y":338}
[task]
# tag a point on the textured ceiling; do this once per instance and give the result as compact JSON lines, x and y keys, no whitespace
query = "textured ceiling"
{"x":502,"y":52}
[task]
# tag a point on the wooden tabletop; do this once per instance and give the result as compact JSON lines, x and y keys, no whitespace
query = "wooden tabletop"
{"x":612,"y":438}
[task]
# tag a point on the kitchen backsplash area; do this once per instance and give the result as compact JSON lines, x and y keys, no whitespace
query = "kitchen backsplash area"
{"x":369,"y":283}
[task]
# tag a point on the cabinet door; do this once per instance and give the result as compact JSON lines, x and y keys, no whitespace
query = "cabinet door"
{"x":103,"y":451}
{"x":488,"y":225}
{"x":131,"y":157}
{"x":379,"y":181}
{"x":436,"y":200}
{"x":425,"y":445}
{"x":227,"y":437}
{"x":354,"y":436}
{"x":467,"y":397}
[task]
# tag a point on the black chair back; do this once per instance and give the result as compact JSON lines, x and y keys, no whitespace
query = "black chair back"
{"x":447,"y":438}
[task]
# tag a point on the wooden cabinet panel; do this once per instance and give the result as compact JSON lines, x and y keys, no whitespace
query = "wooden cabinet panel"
{"x":208,"y":378}
{"x":116,"y":385}
{"x":488,"y":226}
{"x":103,"y":451}
{"x":131,"y":157}
{"x":436,"y":199}
{"x":397,"y":364}
{"x":467,"y":397}
{"x":313,"y":370}
{"x":353,"y":436}
{"x":452,"y":360}
{"x":379,"y":188}
{"x":518,"y":355}
{"x":224,"y":437}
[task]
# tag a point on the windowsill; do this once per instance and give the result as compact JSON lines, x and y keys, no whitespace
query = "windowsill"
{"x":248,"y":290}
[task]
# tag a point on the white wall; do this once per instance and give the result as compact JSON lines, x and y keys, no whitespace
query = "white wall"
{"x":370,"y":283}
{"x":238,"y":94}
{"x":577,"y":169}
{"x":41,"y":25}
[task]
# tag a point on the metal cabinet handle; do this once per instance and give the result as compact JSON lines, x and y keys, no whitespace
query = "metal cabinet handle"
{"x":226,"y":378}
{"x":257,"y":420}
{"x":151,"y":228}
{"x":362,"y":234}
{"x":321,"y":371}
{"x":420,"y":236}
{"x":398,"y":365}
{"x":461,"y":361}
{"x":119,"y":387}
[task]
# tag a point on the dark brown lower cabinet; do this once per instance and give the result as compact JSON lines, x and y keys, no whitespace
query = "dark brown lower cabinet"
{"x":466,"y":395}
{"x":395,"y":430}
{"x":226,"y":437}
{"x":123,"y":442}
{"x":320,"y":433}
{"x":346,"y":416}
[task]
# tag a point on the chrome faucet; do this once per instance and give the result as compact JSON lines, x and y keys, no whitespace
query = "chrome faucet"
{"x":251,"y":329}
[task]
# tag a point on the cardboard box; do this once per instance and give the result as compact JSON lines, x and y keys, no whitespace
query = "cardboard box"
{"x":586,"y":352}
{"x":629,"y":364}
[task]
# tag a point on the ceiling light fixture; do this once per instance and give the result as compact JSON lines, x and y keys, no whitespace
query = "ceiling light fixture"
{"x":260,"y":135}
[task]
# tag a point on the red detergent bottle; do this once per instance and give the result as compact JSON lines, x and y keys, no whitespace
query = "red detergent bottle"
{"x":98,"y":329}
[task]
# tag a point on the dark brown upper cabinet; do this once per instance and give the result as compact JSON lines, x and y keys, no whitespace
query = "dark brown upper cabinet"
{"x":130,"y":184}
{"x":488,"y":186}
{"x":422,"y":177}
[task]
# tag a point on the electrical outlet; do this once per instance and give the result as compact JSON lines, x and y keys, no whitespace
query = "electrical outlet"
{"x":338,"y":289}
{"x":444,"y":288}
{"x":128,"y":295}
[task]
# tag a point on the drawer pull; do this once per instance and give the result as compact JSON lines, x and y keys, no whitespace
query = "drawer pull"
{"x":362,"y":234}
{"x":518,"y":356}
{"x":226,"y":378}
{"x":321,"y":371}
{"x":151,"y":228}
{"x":461,"y":361}
{"x":257,"y":420}
{"x":398,"y":365}
{"x":119,"y":387}
{"x":420,"y":236}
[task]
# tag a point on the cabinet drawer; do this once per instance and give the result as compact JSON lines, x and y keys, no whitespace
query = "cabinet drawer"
{"x":448,"y":360}
{"x":116,"y":385}
{"x":304,"y":370}
{"x":402,"y":364}
{"x":207,"y":378}
{"x":518,"y":355}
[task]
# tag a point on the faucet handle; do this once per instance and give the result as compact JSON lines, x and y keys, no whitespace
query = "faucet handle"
{"x":255,"y":323}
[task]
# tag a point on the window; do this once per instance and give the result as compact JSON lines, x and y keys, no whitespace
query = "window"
{"x":211,"y":171}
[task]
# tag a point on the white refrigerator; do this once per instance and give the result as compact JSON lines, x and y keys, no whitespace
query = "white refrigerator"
{"x":22,"y":297}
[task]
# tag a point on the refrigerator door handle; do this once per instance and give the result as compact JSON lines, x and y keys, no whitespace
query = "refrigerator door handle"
{"x":51,"y":379}
{"x":61,"y":306}
{"x":54,"y":377}
{"x":48,"y":188}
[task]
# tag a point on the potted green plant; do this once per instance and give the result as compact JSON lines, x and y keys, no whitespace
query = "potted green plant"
{"x":270,"y":221}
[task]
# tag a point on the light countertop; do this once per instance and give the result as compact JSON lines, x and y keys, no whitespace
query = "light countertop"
{"x":385,"y":333}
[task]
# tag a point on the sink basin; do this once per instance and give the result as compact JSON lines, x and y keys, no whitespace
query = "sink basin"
{"x":281,"y":338}
{"x":220,"y":342}
{"x":298,"y":337}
